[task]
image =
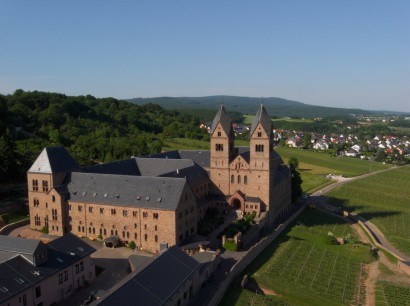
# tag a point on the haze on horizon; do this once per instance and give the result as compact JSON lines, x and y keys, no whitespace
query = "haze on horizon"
{"x":353,"y":54}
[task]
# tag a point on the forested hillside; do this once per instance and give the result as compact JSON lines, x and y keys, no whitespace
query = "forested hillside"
{"x":93,"y":130}
{"x":276,"y":107}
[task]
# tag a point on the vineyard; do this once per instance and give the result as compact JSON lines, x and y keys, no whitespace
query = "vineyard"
{"x":384,"y":200}
{"x":392,"y":294}
{"x":303,"y":268}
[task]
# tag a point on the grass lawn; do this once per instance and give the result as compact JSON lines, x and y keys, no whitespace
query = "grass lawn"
{"x":383,"y":199}
{"x":302,"y":268}
{"x":323,"y":163}
{"x":12,"y":217}
{"x":312,"y":182}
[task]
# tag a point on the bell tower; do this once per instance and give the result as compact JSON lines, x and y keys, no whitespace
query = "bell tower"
{"x":261,"y":161}
{"x":222,"y":150}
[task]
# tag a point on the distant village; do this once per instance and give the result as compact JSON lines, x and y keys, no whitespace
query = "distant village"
{"x":381,"y":147}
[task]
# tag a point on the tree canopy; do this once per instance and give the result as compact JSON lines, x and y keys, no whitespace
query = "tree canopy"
{"x":93,"y":130}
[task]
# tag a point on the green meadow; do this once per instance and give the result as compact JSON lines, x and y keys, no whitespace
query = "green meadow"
{"x":323,"y":163}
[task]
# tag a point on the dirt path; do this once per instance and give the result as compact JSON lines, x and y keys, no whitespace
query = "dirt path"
{"x":270,"y":292}
{"x":362,"y":236}
{"x":370,"y":283}
{"x":371,"y":269}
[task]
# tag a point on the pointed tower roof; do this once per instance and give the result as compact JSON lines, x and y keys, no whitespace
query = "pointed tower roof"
{"x":263,"y":118}
{"x":223,"y":118}
{"x":53,"y":160}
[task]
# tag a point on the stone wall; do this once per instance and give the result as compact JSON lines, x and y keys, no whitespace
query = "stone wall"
{"x":249,"y":257}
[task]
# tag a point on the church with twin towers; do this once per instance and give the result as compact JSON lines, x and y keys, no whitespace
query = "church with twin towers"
{"x":161,"y":197}
{"x":250,"y":178}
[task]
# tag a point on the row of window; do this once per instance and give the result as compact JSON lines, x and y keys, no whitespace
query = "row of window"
{"x":245,"y":179}
{"x":125,"y":234}
{"x":44,"y":185}
{"x":252,"y":206}
{"x":114,"y":212}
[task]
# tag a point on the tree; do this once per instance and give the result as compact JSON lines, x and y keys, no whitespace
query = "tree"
{"x":8,"y":160}
{"x":293,"y":161}
{"x":380,"y":155}
{"x":296,"y":179}
{"x":307,"y":140}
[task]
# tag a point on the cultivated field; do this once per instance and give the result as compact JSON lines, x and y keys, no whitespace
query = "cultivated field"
{"x":389,"y":293}
{"x":384,"y":199}
{"x":302,"y":268}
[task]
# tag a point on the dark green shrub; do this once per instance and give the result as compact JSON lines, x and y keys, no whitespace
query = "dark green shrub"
{"x":131,"y":245}
{"x":44,"y":230}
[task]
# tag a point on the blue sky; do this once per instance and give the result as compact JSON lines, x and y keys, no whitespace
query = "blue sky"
{"x":334,"y":53}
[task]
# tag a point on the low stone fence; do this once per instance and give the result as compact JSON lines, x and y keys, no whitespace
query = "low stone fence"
{"x":5,"y":230}
{"x":249,"y":257}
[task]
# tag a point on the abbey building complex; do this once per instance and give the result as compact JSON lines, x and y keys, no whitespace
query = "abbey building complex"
{"x":160,"y":198}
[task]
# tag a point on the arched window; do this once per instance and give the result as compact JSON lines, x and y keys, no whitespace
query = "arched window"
{"x":245,"y":179}
{"x":239,"y":179}
{"x":232,"y":178}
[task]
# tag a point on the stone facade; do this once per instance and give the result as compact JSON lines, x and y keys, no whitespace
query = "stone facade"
{"x":254,"y":180}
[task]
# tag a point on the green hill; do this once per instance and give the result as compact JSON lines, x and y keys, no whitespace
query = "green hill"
{"x":275,"y":106}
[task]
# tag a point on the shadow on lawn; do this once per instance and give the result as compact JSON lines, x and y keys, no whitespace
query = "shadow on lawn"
{"x":361,"y":209}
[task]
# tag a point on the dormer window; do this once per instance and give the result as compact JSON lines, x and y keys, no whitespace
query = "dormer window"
{"x":219,"y":147}
{"x":219,"y":134}
{"x":259,"y":134}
